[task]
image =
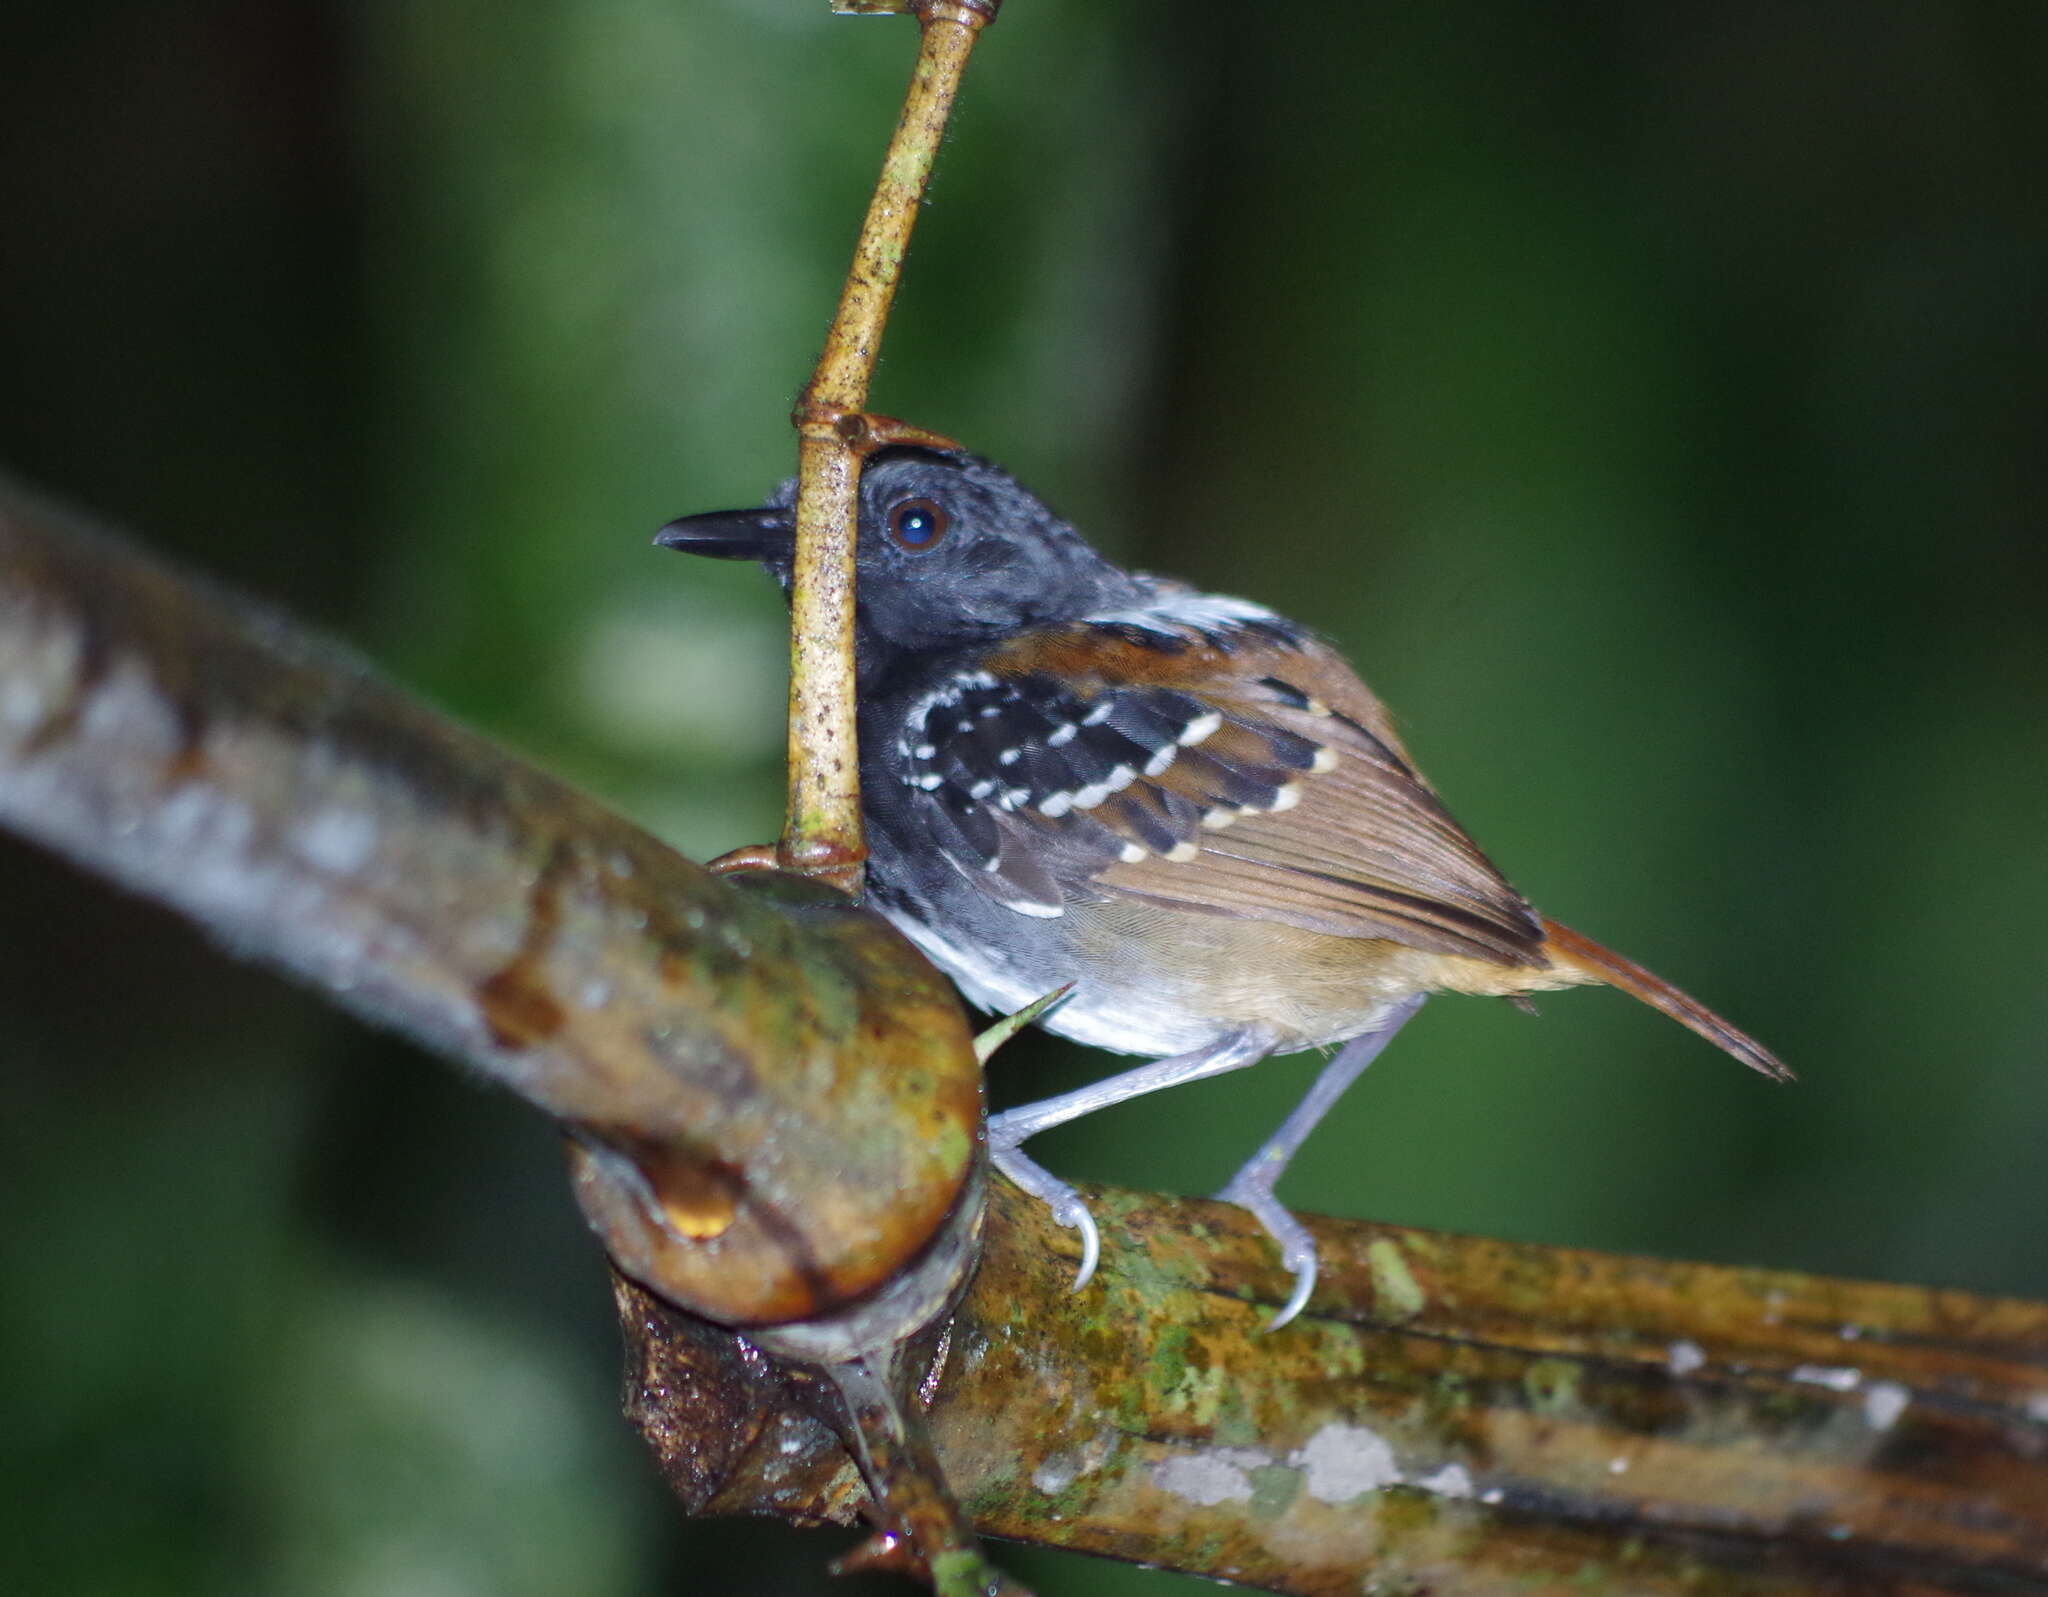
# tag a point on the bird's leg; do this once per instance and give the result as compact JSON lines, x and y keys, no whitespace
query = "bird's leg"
{"x":1252,"y":1187}
{"x":1009,"y":1130}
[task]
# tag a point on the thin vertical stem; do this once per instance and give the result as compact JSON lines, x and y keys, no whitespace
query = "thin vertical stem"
{"x":822,"y":834}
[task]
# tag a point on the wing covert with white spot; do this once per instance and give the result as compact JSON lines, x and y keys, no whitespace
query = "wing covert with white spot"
{"x":1199,"y":762}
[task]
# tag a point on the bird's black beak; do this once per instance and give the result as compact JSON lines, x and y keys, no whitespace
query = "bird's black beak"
{"x":767,"y":535}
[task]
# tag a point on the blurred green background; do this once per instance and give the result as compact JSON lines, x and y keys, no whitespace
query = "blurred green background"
{"x":1650,"y":399}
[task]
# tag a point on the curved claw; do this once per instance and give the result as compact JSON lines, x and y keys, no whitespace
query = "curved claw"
{"x":1297,"y":1247}
{"x":1064,"y":1202}
{"x":1077,"y":1217}
{"x":1297,"y":1300}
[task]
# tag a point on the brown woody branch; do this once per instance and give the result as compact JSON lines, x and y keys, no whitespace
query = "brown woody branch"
{"x":1453,"y":1415}
{"x":774,"y":1099}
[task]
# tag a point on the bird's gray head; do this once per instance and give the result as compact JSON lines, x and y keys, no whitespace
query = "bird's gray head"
{"x":952,"y":551}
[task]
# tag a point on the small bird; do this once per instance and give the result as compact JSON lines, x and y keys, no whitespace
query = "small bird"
{"x":1183,"y":804}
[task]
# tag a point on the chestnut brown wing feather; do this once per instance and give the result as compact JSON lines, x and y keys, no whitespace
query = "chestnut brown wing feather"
{"x":1297,"y":806}
{"x":1361,"y":847}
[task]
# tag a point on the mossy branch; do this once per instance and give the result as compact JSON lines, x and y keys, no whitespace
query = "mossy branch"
{"x":774,"y":1100}
{"x":1452,"y":1415}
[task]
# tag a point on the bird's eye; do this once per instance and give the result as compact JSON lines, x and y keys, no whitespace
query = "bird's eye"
{"x":917,"y":524}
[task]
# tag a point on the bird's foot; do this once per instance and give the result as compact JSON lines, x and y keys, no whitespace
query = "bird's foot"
{"x":1297,"y":1247}
{"x":1064,"y":1202}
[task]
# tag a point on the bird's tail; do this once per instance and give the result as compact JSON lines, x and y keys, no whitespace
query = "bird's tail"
{"x":1587,"y":958}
